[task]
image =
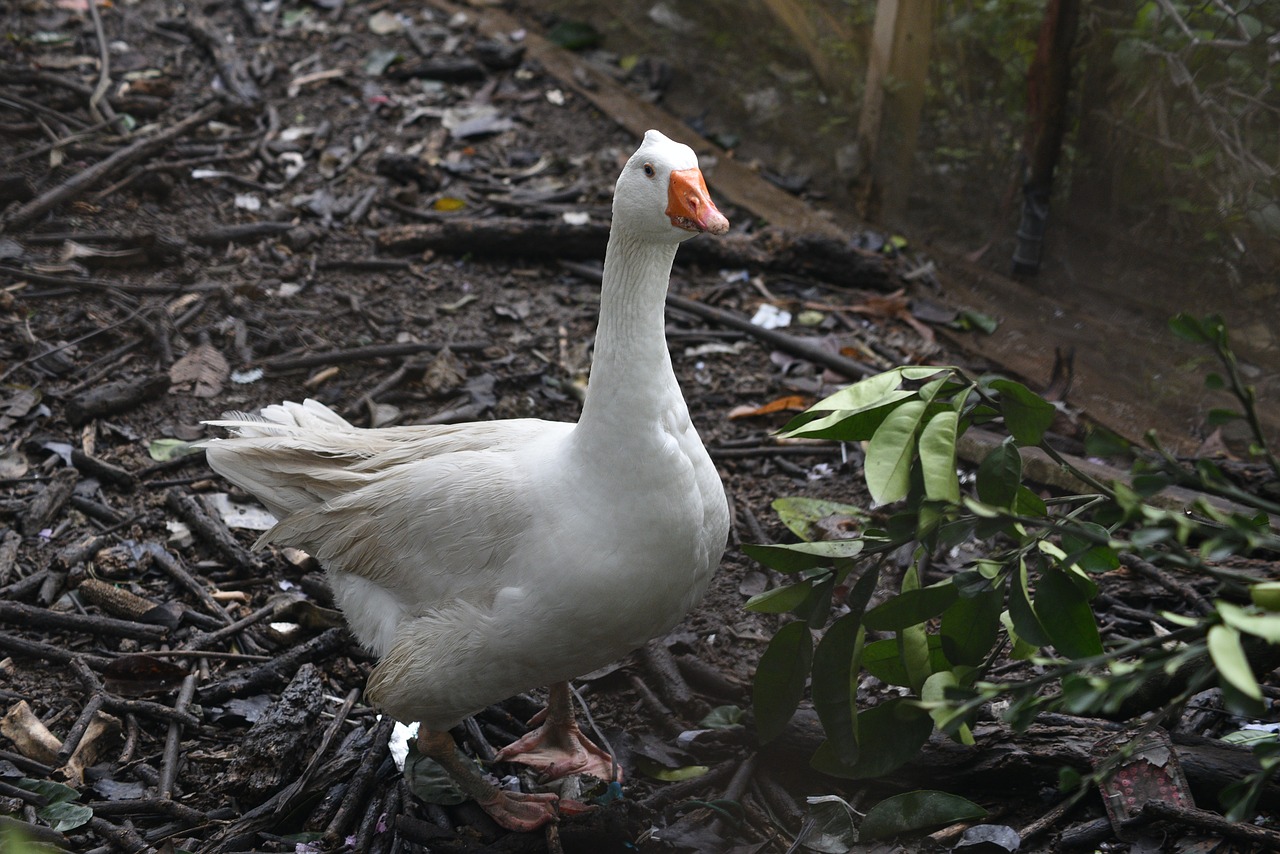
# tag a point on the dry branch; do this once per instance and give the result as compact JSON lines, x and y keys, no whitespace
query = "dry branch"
{"x":827,"y":258}
{"x":80,"y":183}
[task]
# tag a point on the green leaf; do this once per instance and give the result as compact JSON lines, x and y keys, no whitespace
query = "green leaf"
{"x":970,"y":627}
{"x":1218,"y":417}
{"x":1190,"y":329}
{"x":834,"y":830}
{"x":969,"y":319}
{"x":163,"y":450}
{"x":915,"y":811}
{"x":816,"y":607}
{"x":780,"y":679}
{"x":882,"y":660}
{"x":938,"y":457}
{"x":722,"y":717}
{"x":890,"y":735}
{"x":944,"y":714}
{"x":890,"y":452}
{"x":913,"y":640}
{"x":779,"y":600}
{"x":1086,"y":547}
{"x":1228,"y":656}
{"x":844,"y":425}
{"x":574,"y":35}
{"x":64,"y":816}
{"x":429,"y":781}
{"x":1265,"y":626}
{"x":1022,"y":651}
{"x":844,"y":411}
{"x":835,"y":684}
{"x":1065,"y":614}
{"x":61,"y":811}
{"x":1250,"y":737}
{"x":1027,"y":503}
{"x":801,"y":514}
{"x":797,"y":557}
{"x":54,"y":793}
{"x":1000,"y":475}
{"x":865,"y":394}
{"x":1025,"y":620}
{"x":1026,"y":414}
{"x":912,"y":607}
{"x":658,"y":771}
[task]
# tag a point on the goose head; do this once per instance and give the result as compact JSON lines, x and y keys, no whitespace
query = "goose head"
{"x":661,"y":195}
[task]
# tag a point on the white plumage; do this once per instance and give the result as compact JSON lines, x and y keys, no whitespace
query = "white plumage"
{"x":481,"y":560}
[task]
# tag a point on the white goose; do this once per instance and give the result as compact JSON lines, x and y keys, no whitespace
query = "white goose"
{"x":481,"y":560}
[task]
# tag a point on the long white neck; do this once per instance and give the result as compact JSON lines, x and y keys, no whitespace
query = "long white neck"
{"x":632,"y":383}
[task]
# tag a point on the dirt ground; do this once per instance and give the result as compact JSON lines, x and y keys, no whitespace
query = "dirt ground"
{"x":249,"y":258}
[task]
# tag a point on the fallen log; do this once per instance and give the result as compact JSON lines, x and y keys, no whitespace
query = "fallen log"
{"x":774,"y":250}
{"x":272,"y":749}
{"x":1002,"y":760}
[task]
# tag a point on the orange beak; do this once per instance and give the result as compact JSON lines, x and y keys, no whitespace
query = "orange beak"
{"x":689,"y":204}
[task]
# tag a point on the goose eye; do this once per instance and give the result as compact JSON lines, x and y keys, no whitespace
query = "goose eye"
{"x":649,"y":171}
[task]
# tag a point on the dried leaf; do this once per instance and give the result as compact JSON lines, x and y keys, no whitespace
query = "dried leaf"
{"x":444,"y":374}
{"x":790,"y":403}
{"x":448,"y":203}
{"x":204,"y":366}
{"x":385,"y":23}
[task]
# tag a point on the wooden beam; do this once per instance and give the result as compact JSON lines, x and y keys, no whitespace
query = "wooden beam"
{"x":897,"y":71}
{"x":734,"y":181}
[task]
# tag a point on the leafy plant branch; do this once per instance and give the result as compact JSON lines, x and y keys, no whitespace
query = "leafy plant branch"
{"x":1028,"y":593}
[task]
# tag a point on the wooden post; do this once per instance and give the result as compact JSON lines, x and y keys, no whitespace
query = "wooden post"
{"x":1048,"y":86}
{"x":897,"y":71}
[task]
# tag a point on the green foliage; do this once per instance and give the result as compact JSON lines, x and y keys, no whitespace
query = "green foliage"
{"x":1029,"y":593}
{"x":60,"y":811}
{"x":915,"y":811}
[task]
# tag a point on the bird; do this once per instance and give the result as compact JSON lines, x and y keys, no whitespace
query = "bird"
{"x":480,"y":560}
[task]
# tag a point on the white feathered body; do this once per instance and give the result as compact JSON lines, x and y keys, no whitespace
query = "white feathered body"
{"x":481,"y":560}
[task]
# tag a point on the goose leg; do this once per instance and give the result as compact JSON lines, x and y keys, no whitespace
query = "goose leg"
{"x":558,"y":748}
{"x":513,"y":810}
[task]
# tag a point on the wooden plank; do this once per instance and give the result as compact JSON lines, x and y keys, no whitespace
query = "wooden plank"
{"x":897,"y":71}
{"x":735,"y":182}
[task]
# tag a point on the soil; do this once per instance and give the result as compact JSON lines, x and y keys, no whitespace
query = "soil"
{"x":238,"y":264}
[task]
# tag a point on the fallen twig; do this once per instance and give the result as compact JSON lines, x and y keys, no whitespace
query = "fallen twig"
{"x":29,"y":615}
{"x":275,"y":670}
{"x":173,"y":740}
{"x":81,"y":182}
{"x":212,"y":531}
{"x":781,"y":340}
{"x":230,"y":67}
{"x":289,"y":362}
{"x":174,"y":568}
{"x":49,"y":652}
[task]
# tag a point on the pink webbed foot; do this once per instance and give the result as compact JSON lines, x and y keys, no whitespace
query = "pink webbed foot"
{"x":520,"y":811}
{"x":558,"y":748}
{"x":513,"y":810}
{"x":559,"y":752}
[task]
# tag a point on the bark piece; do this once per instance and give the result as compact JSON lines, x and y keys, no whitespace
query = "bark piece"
{"x":210,"y":528}
{"x":109,"y":472}
{"x":29,"y":734}
{"x":271,"y":750}
{"x":103,"y":732}
{"x":271,"y":672}
{"x":50,"y":500}
{"x":8,"y":555}
{"x":113,"y":398}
